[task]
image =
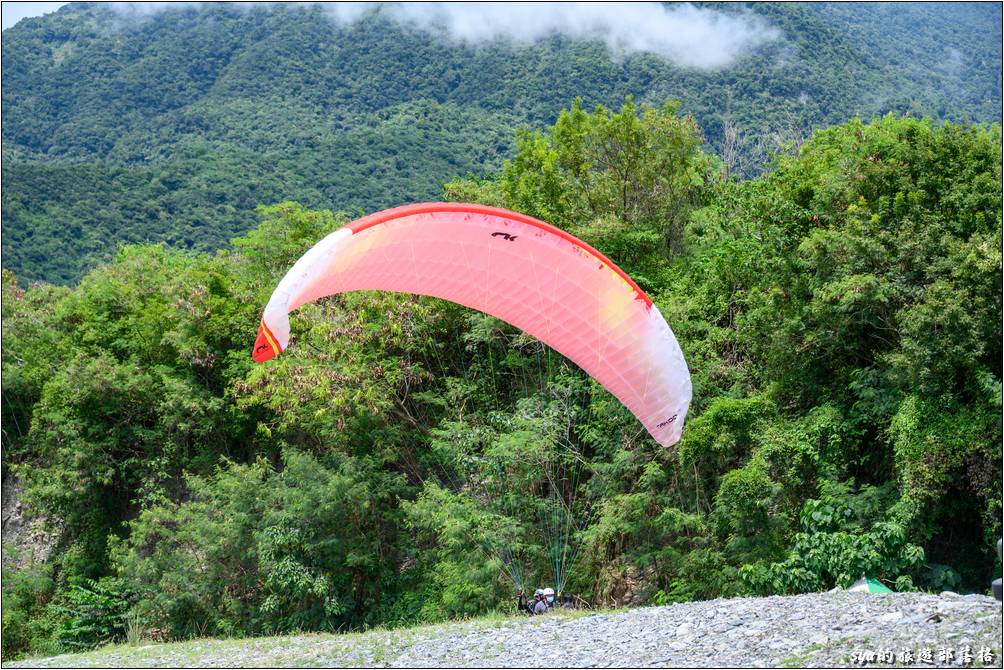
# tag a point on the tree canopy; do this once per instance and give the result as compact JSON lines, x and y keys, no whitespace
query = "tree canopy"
{"x":840,"y":314}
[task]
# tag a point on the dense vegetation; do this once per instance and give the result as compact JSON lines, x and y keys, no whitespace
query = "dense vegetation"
{"x":841,"y":315}
{"x":173,"y":127}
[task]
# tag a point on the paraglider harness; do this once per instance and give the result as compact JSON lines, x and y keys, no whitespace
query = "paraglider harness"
{"x":543,"y":602}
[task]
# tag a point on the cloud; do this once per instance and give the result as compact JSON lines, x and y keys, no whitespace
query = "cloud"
{"x":687,"y":35}
{"x":953,"y":62}
{"x":690,"y":36}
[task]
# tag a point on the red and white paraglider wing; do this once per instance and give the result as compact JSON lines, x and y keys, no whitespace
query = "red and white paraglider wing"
{"x":528,"y":273}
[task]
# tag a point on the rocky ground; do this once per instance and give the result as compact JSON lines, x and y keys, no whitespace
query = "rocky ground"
{"x":821,"y":629}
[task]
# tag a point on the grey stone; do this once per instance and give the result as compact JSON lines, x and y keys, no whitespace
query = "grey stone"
{"x":817,"y":629}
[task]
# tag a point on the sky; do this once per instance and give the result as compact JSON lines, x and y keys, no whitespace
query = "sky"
{"x":15,"y":11}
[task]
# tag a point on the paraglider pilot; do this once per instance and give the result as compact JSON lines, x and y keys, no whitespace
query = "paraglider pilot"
{"x":536,"y":606}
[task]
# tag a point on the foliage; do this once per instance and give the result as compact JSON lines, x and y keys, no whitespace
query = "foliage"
{"x":644,"y":171}
{"x":408,"y":460}
{"x":840,"y":542}
{"x":254,"y":550}
{"x":28,"y":620}
{"x":95,"y":613}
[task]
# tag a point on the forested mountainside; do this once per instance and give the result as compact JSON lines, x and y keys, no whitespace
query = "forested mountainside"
{"x":124,"y":126}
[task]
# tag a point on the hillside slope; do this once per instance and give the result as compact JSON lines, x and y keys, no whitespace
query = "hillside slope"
{"x":130,"y":127}
{"x":811,"y":630}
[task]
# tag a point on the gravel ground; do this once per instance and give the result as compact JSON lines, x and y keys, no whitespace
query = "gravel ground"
{"x":811,"y":630}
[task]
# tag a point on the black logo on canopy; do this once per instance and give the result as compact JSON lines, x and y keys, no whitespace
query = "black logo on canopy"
{"x":666,"y":422}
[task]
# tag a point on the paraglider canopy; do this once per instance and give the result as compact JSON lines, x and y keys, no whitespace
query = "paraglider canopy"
{"x":526,"y":272}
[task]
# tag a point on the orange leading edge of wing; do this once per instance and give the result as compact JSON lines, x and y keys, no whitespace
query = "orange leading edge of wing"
{"x":265,"y":346}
